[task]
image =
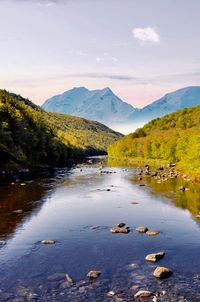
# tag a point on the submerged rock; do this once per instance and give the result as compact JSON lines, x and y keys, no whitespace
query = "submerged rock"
{"x":143,"y":294}
{"x":162,"y":272}
{"x":142,"y":229}
{"x":56,"y":277}
{"x":152,"y":233}
{"x":48,"y":241}
{"x":155,"y":257}
{"x":94,"y":227}
{"x":120,"y":230}
{"x":93,"y":274}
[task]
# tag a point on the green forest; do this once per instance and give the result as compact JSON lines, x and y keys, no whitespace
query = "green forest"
{"x":172,"y":138}
{"x":29,"y":136}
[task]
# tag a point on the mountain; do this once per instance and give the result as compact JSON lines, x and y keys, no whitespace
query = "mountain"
{"x":179,"y":99}
{"x":172,"y":138}
{"x":31,"y":137}
{"x":100,"y":105}
{"x":104,"y":106}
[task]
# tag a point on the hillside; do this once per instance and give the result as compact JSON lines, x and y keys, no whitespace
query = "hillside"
{"x":30,"y":136}
{"x":101,"y":105}
{"x":175,"y":137}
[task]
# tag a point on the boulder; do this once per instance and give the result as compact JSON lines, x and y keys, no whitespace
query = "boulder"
{"x":152,"y":233}
{"x":142,"y":229}
{"x":93,"y":274}
{"x":120,"y":230}
{"x":143,"y":294}
{"x":155,"y":257}
{"x":162,"y":272}
{"x":121,"y":225}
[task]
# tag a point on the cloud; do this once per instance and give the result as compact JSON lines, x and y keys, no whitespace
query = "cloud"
{"x":78,"y":53}
{"x":47,"y":3}
{"x":119,"y":77}
{"x":99,"y":59}
{"x":147,"y":34}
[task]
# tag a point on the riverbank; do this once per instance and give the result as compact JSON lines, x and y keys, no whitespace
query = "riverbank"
{"x":173,"y":169}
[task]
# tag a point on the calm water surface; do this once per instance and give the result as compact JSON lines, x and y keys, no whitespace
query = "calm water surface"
{"x":63,"y":207}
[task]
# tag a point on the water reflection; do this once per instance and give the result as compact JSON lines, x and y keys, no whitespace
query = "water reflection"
{"x":18,"y":201}
{"x":170,"y":188}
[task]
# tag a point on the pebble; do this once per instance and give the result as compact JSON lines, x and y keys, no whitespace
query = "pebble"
{"x":155,"y":257}
{"x":142,"y":229}
{"x":162,"y":272}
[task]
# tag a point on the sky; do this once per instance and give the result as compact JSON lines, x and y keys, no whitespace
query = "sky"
{"x":141,"y":49}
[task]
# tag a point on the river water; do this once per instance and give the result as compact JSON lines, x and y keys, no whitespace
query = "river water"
{"x":65,"y":207}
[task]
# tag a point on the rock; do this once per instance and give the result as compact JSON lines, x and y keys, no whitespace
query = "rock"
{"x":18,"y":212}
{"x":143,"y":294}
{"x":182,"y":188}
{"x":134,"y":202}
{"x":162,"y":272}
{"x":94,"y":227}
{"x":134,"y":287}
{"x":93,"y":274}
{"x":152,"y":233}
{"x":69,"y":279}
{"x":120,"y":230}
{"x":111,"y":293}
{"x":108,"y":190}
{"x":141,"y":185}
{"x":171,"y":165}
{"x":56,"y":277}
{"x":121,"y":225}
{"x":155,"y":257}
{"x":142,"y":229}
{"x":48,"y":241}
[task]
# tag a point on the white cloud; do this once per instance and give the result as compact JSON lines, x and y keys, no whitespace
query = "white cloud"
{"x":147,"y":34}
{"x":99,"y":59}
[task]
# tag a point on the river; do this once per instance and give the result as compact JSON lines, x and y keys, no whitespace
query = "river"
{"x":77,"y":207}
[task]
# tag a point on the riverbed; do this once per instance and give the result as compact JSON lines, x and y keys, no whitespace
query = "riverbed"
{"x":76,"y":208}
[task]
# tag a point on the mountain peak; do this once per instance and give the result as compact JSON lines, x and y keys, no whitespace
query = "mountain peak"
{"x":101,"y":105}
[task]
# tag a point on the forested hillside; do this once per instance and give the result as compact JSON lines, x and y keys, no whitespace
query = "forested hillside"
{"x":175,"y":137}
{"x":30,"y":136}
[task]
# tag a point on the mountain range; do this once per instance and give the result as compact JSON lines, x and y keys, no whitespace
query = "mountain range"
{"x":99,"y":105}
{"x":104,"y":106}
